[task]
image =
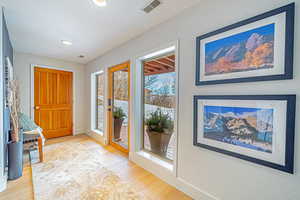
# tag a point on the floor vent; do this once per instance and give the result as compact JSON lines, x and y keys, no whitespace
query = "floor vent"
{"x":153,"y":4}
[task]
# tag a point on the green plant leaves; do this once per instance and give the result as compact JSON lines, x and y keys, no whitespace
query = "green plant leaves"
{"x":159,"y":122}
{"x":119,"y":113}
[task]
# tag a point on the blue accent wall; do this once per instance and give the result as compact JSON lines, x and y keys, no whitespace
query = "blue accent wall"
{"x":7,"y":52}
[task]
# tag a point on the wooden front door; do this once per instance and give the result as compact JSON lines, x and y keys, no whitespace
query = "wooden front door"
{"x":119,"y":106}
{"x":53,"y":101}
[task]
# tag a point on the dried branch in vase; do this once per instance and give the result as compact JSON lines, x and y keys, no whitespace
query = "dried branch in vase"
{"x":14,"y":106}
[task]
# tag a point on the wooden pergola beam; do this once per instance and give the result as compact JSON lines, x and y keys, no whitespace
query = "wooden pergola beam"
{"x":154,"y":63}
{"x":155,"y":67}
{"x":160,"y":65}
{"x":156,"y":72}
{"x":164,"y":64}
{"x":167,"y":61}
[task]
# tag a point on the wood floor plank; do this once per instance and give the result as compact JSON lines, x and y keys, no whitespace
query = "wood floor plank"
{"x":153,"y":187}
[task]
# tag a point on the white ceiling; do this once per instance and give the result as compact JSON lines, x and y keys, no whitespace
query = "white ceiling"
{"x":38,"y":26}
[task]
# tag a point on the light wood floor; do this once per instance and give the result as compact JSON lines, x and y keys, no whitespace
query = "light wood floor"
{"x":116,"y":161}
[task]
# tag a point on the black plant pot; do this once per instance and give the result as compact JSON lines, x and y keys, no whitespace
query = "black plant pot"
{"x":159,"y":142}
{"x":117,"y":128}
{"x":15,"y":159}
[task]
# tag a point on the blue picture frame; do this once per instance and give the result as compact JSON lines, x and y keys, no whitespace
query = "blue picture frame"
{"x":286,"y":65}
{"x":289,"y":125}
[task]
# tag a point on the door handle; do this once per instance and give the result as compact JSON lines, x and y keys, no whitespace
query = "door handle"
{"x":36,"y":107}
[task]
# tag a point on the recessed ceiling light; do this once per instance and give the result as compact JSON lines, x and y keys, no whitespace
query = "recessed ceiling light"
{"x":66,"y":42}
{"x":100,"y":3}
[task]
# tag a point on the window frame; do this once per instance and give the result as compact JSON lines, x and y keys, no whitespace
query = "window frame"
{"x":143,"y":101}
{"x":138,"y":111}
{"x":94,"y":98}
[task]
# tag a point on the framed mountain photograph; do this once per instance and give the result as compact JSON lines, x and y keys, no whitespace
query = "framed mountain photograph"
{"x":256,"y":49}
{"x":256,"y":128}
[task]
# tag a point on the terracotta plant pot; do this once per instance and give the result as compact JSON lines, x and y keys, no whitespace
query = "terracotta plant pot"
{"x":117,"y":127}
{"x":159,"y":142}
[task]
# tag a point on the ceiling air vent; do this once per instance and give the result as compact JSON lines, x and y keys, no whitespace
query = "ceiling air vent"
{"x":153,"y":4}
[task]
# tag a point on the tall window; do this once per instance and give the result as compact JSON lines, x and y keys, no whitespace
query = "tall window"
{"x":99,"y":125}
{"x":159,"y":105}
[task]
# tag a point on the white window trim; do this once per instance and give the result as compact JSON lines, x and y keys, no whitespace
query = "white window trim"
{"x":93,"y":102}
{"x":138,"y":106}
{"x":156,"y":159}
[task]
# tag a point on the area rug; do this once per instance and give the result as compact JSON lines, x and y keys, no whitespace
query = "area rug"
{"x":73,"y":171}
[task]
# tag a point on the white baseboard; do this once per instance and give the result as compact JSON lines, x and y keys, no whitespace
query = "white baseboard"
{"x":193,"y":191}
{"x":79,"y":131}
{"x":3,"y":182}
{"x":97,"y":137}
{"x":167,"y":176}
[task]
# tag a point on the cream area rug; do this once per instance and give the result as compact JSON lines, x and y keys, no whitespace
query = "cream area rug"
{"x":73,"y":171}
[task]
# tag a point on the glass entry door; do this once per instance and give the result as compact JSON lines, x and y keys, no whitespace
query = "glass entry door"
{"x":118,"y":106}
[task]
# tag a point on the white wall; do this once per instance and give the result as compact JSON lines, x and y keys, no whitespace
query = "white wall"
{"x":22,"y":64}
{"x":222,"y":176}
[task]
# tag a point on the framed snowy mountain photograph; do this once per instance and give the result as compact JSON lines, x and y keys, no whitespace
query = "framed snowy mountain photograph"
{"x":256,"y":49}
{"x":255,"y":128}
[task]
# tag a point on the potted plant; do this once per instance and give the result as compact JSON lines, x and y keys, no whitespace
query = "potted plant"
{"x":119,"y":116}
{"x":159,"y":127}
{"x":15,"y":145}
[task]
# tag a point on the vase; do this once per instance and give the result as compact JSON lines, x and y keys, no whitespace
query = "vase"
{"x":117,"y":128}
{"x":159,"y":142}
{"x":15,"y":159}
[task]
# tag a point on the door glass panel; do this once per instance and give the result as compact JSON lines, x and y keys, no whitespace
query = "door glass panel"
{"x":120,"y":108}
